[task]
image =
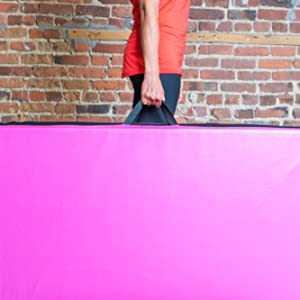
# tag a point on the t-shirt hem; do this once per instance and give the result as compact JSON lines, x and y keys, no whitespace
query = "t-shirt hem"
{"x":127,"y":74}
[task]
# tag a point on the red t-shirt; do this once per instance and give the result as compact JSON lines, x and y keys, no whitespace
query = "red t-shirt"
{"x":173,"y":16}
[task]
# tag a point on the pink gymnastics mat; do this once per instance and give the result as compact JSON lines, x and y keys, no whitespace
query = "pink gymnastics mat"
{"x":120,"y":212}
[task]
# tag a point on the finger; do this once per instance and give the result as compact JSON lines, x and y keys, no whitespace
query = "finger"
{"x":149,"y":101}
{"x":144,"y":100}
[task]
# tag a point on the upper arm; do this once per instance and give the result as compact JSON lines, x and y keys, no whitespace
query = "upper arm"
{"x":149,"y":6}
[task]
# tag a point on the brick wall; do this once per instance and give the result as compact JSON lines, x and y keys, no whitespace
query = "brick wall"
{"x":48,"y":75}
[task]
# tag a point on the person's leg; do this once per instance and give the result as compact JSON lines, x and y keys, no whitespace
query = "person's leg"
{"x":171,"y":85}
{"x":137,"y":81}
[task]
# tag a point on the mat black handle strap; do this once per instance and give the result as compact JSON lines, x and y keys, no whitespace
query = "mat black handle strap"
{"x":134,"y":114}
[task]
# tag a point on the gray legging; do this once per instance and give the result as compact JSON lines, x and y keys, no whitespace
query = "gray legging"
{"x":171,"y":86}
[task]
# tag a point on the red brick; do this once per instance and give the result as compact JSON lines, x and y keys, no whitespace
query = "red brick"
{"x":238,"y":87}
{"x":120,"y":23}
{"x":71,"y":96}
{"x":276,"y":87}
{"x":4,"y":95}
{"x":214,"y":99}
{"x":295,"y":27}
{"x":114,"y":72}
{"x":20,"y":20}
{"x":297,"y":62}
{"x":45,"y":33}
{"x":30,"y":8}
{"x":232,"y":99}
{"x":55,"y":118}
{"x":9,"y":107}
{"x":122,"y":11}
{"x":44,"y":21}
{"x":286,"y":99}
{"x":22,"y":46}
{"x":67,"y":22}
{"x":76,"y":84}
{"x":216,"y":3}
{"x":77,"y":1}
{"x":122,"y":109}
{"x":199,"y":86}
{"x":267,"y":100}
{"x":272,"y":14}
{"x":262,"y":26}
{"x":246,"y":27}
{"x":96,"y":11}
{"x":291,"y":123}
{"x":20,"y":95}
{"x":221,"y":113}
{"x":196,"y":2}
{"x":251,"y":51}
{"x":271,"y":113}
{"x":8,"y":7}
{"x":11,"y":83}
{"x":226,"y":26}
{"x":96,"y":119}
{"x":37,"y":107}
{"x":95,"y":22}
{"x":215,"y":49}
{"x":36,"y":59}
{"x":54,"y":96}
{"x":87,"y":72}
{"x":108,"y":96}
{"x":91,"y":97}
{"x":201,"y":62}
{"x":59,"y":46}
{"x":249,"y":99}
{"x":44,"y":83}
{"x":283,"y":51}
{"x":8,"y":59}
{"x":37,"y":96}
{"x":109,"y":48}
{"x":189,"y":49}
{"x":82,"y":47}
{"x":126,"y":96}
{"x":275,"y":64}
{"x":255,"y":76}
{"x":50,"y":71}
{"x":190,"y":73}
{"x":296,"y":113}
{"x":200,"y":111}
{"x":71,"y":59}
{"x":279,"y":27}
{"x":63,"y":108}
{"x":109,"y":85}
{"x":206,"y":14}
{"x":3,"y":45}
{"x":15,"y":71}
{"x":100,"y":60}
{"x":18,"y":118}
{"x":203,"y":26}
{"x":217,"y":74}
{"x":235,"y":63}
{"x":244,"y":114}
{"x":57,"y":9}
{"x":117,"y":60}
{"x":242,"y":14}
{"x":17,"y":32}
{"x":286,"y":75}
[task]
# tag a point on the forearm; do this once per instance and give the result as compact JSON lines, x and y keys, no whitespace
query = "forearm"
{"x":150,"y":35}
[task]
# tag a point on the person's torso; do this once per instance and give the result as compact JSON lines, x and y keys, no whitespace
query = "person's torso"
{"x":173,"y":16}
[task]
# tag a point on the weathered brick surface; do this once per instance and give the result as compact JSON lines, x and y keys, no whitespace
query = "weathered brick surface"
{"x":47,"y":76}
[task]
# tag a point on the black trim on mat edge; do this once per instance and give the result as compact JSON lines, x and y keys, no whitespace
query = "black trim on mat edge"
{"x":110,"y":123}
